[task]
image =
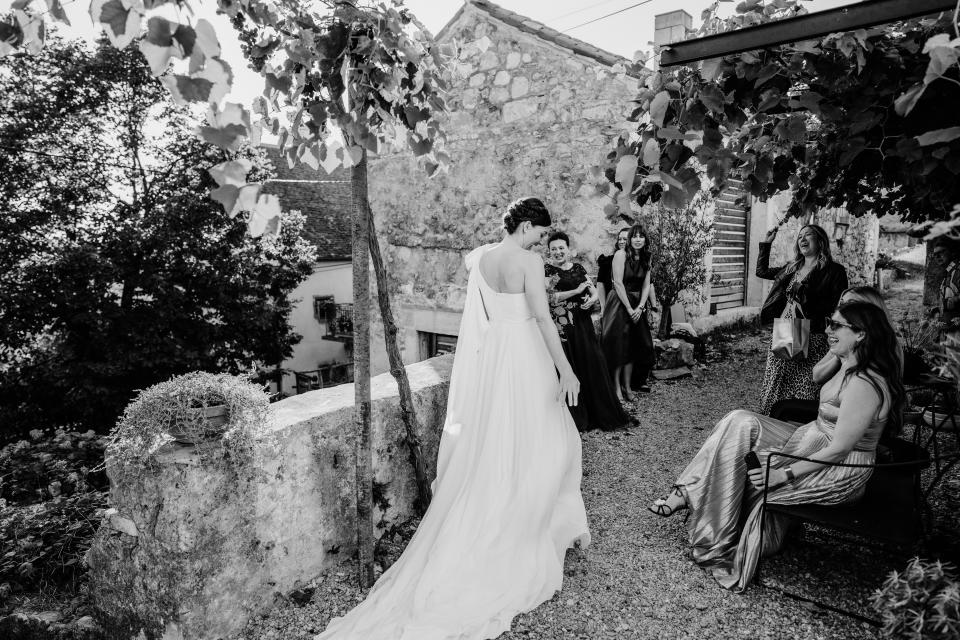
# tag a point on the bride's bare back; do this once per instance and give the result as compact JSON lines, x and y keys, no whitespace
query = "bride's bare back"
{"x":504,"y":268}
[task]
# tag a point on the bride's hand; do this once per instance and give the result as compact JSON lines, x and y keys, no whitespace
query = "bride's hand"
{"x":569,"y":388}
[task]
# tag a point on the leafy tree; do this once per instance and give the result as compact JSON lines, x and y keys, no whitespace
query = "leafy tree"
{"x":362,"y":75}
{"x":680,"y":241}
{"x":117,"y":269}
{"x":852,"y":118}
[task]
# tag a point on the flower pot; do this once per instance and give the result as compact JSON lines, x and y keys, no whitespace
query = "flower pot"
{"x":213,"y":419}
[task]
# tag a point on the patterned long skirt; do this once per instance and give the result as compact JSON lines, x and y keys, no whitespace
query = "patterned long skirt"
{"x":785,"y":379}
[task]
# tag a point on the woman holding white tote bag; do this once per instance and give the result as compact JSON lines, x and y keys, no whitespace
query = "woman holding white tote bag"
{"x":809,"y":287}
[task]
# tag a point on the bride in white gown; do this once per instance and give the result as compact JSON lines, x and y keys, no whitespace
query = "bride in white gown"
{"x":507,"y":500}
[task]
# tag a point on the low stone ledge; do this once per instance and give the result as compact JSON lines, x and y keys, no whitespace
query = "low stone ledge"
{"x":725,"y":317}
{"x":215,"y":545}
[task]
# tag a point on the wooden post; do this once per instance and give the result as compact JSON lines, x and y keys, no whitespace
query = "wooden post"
{"x":361,"y":371}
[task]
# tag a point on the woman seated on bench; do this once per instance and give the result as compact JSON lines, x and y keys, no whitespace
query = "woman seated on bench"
{"x":830,"y":363}
{"x":861,"y":401}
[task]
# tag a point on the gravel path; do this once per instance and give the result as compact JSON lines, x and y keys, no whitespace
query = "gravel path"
{"x":636,"y":580}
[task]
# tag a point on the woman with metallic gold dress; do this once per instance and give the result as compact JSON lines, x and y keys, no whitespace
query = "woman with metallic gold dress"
{"x":861,"y":402}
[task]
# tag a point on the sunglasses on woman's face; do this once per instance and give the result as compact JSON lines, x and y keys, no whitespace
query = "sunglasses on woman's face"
{"x":833,"y":325}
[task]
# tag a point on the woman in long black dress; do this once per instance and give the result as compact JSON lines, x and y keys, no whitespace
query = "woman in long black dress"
{"x":605,"y":268}
{"x":626,"y":341}
{"x":571,"y":298}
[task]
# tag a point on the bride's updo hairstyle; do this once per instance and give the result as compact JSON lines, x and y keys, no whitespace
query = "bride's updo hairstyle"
{"x":525,"y":210}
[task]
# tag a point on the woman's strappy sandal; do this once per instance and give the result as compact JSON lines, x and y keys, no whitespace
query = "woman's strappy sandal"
{"x":662,"y":509}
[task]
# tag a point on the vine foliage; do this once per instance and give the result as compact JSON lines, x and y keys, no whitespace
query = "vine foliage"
{"x":340,"y":78}
{"x":855,"y":118}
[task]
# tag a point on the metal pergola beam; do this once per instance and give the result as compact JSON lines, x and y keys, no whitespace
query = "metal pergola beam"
{"x":847,"y":18}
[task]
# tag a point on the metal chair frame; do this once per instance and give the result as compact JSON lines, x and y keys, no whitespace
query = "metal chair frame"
{"x":920,"y":505}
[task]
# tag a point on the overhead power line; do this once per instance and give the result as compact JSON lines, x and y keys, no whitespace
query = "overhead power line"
{"x":576,"y":11}
{"x":608,"y":15}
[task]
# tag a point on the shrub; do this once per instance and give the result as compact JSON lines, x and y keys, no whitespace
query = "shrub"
{"x":885,"y":262}
{"x":680,"y":239}
{"x":52,"y":488}
{"x":51,"y":464}
{"x":105,"y":291}
{"x":923,"y":602}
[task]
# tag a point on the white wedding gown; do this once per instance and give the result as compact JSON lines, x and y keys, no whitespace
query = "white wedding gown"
{"x":507,"y":500}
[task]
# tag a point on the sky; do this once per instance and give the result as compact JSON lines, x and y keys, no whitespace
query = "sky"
{"x":629,"y":30}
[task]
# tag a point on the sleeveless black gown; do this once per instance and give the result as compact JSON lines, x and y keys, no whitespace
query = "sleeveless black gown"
{"x":625,"y":341}
{"x":598,"y":407}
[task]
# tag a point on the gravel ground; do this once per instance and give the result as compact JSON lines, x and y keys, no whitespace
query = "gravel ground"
{"x":637,"y":580}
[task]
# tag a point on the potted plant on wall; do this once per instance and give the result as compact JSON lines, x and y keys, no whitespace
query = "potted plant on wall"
{"x":218,"y":413}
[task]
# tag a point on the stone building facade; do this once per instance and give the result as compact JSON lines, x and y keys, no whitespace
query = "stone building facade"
{"x":531,"y":111}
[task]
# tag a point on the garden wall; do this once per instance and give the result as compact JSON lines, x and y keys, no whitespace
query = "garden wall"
{"x":194,"y":549}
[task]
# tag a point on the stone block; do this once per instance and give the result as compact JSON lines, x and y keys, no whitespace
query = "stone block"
{"x":499,"y":95}
{"x":489,"y":60}
{"x":513,"y":59}
{"x":520,"y":87}
{"x":520,"y":109}
{"x":469,"y":98}
{"x":675,"y":353}
{"x":547,"y":116}
{"x":502,"y":78}
{"x":596,"y":112}
{"x":672,"y":374}
{"x":477,"y":79}
{"x":113,"y":520}
{"x":586,"y":190}
{"x":217,"y":543}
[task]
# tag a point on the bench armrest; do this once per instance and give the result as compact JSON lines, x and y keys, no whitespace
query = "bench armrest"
{"x":917,"y":465}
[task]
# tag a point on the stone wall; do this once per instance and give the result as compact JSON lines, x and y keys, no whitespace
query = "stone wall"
{"x":527,"y":118}
{"x":895,"y":242}
{"x":858,"y":254}
{"x":193,"y":550}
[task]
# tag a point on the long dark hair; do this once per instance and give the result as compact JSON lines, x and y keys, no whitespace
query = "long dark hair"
{"x":823,"y":242}
{"x":877,"y":352}
{"x":643,"y":255}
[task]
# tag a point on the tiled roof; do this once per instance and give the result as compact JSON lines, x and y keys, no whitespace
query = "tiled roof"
{"x":325,"y":200}
{"x":540,"y":30}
